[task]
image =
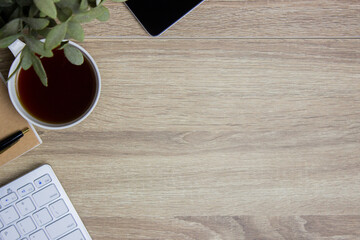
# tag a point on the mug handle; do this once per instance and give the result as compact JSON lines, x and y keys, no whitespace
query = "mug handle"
{"x":16,"y":47}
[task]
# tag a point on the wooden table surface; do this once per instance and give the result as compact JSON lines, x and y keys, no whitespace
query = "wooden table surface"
{"x":240,"y":122}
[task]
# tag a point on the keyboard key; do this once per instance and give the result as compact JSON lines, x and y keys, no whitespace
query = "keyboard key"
{"x":58,"y":208}
{"x":42,"y":181}
{"x":46,"y":195}
{"x":26,"y":225}
{"x":25,"y":206}
{"x":25,"y":190}
{"x":35,"y":207}
{"x":61,"y":226}
{"x":10,"y":234}
{"x":39,"y":235}
{"x":42,"y":217}
{"x":75,"y":235}
{"x":9,"y":215}
{"x":8,"y":199}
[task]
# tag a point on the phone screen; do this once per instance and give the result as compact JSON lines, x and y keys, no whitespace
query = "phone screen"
{"x":158,"y":15}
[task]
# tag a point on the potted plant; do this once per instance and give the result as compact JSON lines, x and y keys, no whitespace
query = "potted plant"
{"x":52,"y":20}
{"x":69,"y":84}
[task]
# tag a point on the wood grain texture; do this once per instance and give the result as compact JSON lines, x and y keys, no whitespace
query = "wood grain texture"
{"x":228,"y":228}
{"x":191,"y":129}
{"x":247,"y":18}
{"x":207,"y":133}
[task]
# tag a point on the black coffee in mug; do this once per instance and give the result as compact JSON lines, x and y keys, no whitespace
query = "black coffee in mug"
{"x":70,"y":92}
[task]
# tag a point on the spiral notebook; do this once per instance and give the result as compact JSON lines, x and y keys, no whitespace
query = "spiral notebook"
{"x":10,"y":122}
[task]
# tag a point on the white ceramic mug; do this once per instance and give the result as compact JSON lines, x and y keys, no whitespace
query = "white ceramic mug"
{"x":16,"y":49}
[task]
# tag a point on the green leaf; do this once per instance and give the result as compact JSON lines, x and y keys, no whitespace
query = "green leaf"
{"x":72,"y":4}
{"x":83,"y":17}
{"x":37,"y":46}
{"x":98,"y":2}
{"x":75,"y":31}
{"x":119,"y":1}
{"x":42,"y":15}
{"x":26,"y":54}
{"x":105,"y":15}
{"x":36,"y":23}
{"x":39,"y":69}
{"x":84,"y":5}
{"x":5,"y":42}
{"x":47,"y":7}
{"x":55,"y":36}
{"x":33,"y":11}
{"x":11,"y":28}
{"x":64,"y":14}
{"x":16,"y":70}
{"x":15,"y":14}
{"x":73,"y":54}
{"x":43,"y":32}
{"x":90,"y":15}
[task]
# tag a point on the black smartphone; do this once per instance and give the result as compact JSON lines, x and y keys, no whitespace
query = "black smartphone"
{"x":156,"y":16}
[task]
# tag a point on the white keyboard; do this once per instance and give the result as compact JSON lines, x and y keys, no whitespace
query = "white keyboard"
{"x":36,"y":207}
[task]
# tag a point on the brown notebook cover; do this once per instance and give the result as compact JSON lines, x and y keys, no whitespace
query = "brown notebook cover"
{"x":11,"y":122}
